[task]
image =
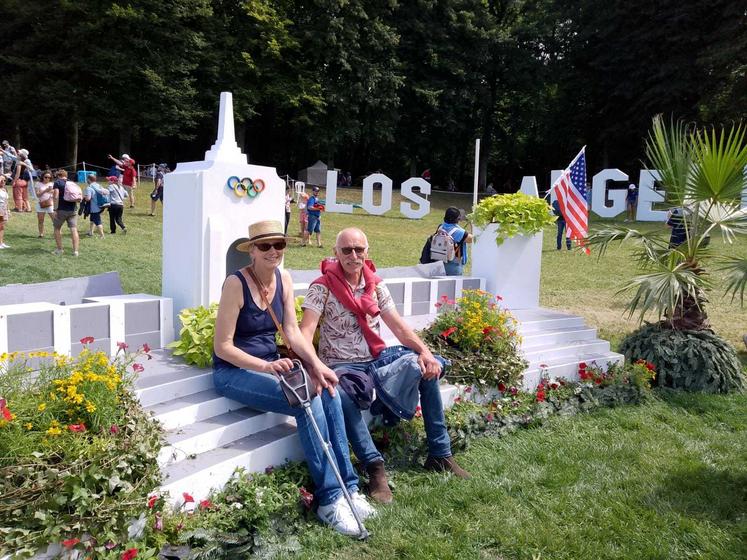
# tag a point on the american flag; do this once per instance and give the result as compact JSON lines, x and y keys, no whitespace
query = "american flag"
{"x":571,"y":193}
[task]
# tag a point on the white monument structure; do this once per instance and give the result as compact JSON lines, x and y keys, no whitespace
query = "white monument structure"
{"x":209,"y":207}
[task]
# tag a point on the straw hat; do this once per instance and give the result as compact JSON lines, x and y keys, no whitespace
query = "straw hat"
{"x":266,"y":230}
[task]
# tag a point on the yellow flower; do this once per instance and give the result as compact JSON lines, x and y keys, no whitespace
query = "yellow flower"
{"x":42,"y":407}
{"x":28,"y":425}
{"x":90,"y":407}
{"x":53,"y":431}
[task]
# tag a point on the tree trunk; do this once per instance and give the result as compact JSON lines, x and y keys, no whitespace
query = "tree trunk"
{"x":72,"y":145}
{"x":125,"y":140}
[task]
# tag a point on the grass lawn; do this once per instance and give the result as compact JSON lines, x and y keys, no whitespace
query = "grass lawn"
{"x":666,"y":480}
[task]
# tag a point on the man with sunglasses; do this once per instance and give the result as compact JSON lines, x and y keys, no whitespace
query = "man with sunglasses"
{"x":350,"y":299}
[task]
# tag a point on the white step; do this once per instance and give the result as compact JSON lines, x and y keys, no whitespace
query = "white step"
{"x":192,"y":408}
{"x":576,"y":349}
{"x":212,"y":469}
{"x":216,"y":431}
{"x":160,"y":388}
{"x":542,"y":320}
{"x":557,"y":336}
{"x":567,"y":368}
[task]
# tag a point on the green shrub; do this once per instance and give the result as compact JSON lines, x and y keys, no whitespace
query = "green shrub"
{"x":515,"y":214}
{"x":195,"y":342}
{"x":690,"y":360}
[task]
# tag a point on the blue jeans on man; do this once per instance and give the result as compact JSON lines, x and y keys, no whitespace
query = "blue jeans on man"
{"x":559,"y":242}
{"x":262,"y":392}
{"x":439,"y":443}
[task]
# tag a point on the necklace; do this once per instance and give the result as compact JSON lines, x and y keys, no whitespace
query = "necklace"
{"x":265,"y":290}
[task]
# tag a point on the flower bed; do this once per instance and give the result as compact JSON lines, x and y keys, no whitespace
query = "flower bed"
{"x":479,"y":338}
{"x":77,"y":452}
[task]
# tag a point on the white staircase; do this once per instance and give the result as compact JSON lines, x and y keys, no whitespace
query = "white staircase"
{"x":209,"y":436}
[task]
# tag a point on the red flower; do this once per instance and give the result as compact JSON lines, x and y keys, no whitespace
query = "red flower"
{"x":206,"y":504}
{"x":501,"y":387}
{"x":152,"y":500}
{"x":146,"y":348}
{"x":137,"y":368}
{"x":467,"y":389}
{"x":448,"y":332}
{"x":77,"y":427}
{"x":444,"y":298}
{"x":87,"y":340}
{"x":457,"y":400}
{"x":5,"y":411}
{"x":487,"y":330}
{"x":122,"y":345}
{"x":187,"y":498}
{"x":438,"y":305}
{"x":114,"y":429}
{"x":129,"y":554}
{"x":158,"y":522}
{"x":490,"y":417}
{"x":540,"y":396}
{"x":598,"y":381}
{"x":269,"y":470}
{"x":650,"y":366}
{"x":70,"y":543}
{"x":306,"y":497}
{"x":513,"y":390}
{"x":581,"y":365}
{"x":499,"y":298}
{"x":554,"y":385}
{"x":418,"y":412}
{"x":582,"y":374}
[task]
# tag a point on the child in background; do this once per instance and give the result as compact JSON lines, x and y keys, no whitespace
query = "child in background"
{"x":4,"y":214}
{"x":303,"y":217}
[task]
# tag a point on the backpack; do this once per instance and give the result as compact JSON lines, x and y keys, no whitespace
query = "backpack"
{"x":442,"y":246}
{"x":72,"y":192}
{"x":102,"y":198}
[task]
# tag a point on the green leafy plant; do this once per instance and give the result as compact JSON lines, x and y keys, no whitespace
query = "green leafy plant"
{"x":77,"y":452}
{"x":690,"y":360}
{"x":478,"y":337}
{"x":515,"y":214}
{"x":702,"y":171}
{"x":195,"y":342}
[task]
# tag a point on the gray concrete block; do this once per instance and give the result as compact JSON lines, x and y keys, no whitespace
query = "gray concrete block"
{"x":421,"y":291}
{"x":89,"y":321}
{"x":446,"y":288}
{"x":421,"y":307}
{"x":98,"y":345}
{"x":30,"y":331}
{"x":471,"y":284}
{"x":135,"y":341}
{"x":143,"y":316}
{"x":397,"y":289}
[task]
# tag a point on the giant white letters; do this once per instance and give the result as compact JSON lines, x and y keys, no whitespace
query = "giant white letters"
{"x":647,"y":195}
{"x":600,"y":192}
{"x":424,"y":205}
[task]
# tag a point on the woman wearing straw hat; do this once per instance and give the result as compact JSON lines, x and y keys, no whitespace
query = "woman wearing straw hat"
{"x":246,"y":363}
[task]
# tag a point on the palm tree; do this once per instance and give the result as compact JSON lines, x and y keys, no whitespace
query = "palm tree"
{"x":703,"y":173}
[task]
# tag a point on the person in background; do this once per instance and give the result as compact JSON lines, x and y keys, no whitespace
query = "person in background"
{"x":22,"y":180}
{"x":257,"y":301}
{"x":97,"y":209}
{"x":4,"y":212}
{"x":157,"y":193}
{"x":314,"y":209}
{"x":288,"y":200}
{"x":461,"y":237}
{"x":676,"y":221}
{"x":303,"y":217}
{"x":631,"y":202}
{"x":350,"y":300}
{"x":117,"y":194}
{"x":9,"y":158}
{"x":44,"y":192}
{"x":129,"y":175}
{"x":490,"y":190}
{"x":561,"y":226}
{"x":65,"y":212}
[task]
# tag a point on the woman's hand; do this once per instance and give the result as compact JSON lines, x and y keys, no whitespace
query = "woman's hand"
{"x":325,"y":379}
{"x":278,"y":366}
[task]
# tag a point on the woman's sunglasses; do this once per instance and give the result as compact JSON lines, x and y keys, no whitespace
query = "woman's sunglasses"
{"x":264,"y":247}
{"x":359,"y":250}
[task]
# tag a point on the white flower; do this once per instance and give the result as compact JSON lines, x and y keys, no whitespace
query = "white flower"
{"x":237,"y":505}
{"x":136,"y":527}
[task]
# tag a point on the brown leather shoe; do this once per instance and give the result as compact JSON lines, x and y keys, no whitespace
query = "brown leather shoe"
{"x":378,"y":486}
{"x":446,"y":464}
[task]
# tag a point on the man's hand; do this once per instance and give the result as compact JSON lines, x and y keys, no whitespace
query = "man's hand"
{"x":429,"y":365}
{"x":325,"y":379}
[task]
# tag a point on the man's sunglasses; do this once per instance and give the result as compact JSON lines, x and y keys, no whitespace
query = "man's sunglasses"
{"x":264,"y":247}
{"x":358,"y":250}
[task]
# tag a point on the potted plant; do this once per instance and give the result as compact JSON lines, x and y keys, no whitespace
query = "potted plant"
{"x":508,"y":246}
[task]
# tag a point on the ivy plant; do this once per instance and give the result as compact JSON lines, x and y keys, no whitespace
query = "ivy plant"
{"x":195,"y":343}
{"x":514,"y":214}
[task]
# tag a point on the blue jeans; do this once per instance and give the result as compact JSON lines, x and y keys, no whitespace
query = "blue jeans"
{"x":439,"y":443}
{"x":315,"y":224}
{"x":454,"y":268}
{"x":262,"y":391}
{"x":559,"y":240}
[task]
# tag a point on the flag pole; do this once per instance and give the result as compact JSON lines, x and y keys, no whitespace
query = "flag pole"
{"x":477,"y":173}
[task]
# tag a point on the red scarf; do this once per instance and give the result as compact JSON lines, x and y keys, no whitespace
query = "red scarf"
{"x":333,"y":278}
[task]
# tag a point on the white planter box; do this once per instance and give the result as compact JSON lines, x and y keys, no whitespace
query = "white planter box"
{"x":511,"y":270}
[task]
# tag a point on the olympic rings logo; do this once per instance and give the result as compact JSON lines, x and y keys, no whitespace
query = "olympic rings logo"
{"x":246,"y":186}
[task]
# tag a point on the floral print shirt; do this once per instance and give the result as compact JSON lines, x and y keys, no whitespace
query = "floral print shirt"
{"x":341,"y":339}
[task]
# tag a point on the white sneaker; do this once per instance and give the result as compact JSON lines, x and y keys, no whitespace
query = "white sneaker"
{"x":58,"y":252}
{"x":364,"y":509}
{"x":339,"y":516}
{"x":75,"y":253}
{"x":4,"y":246}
